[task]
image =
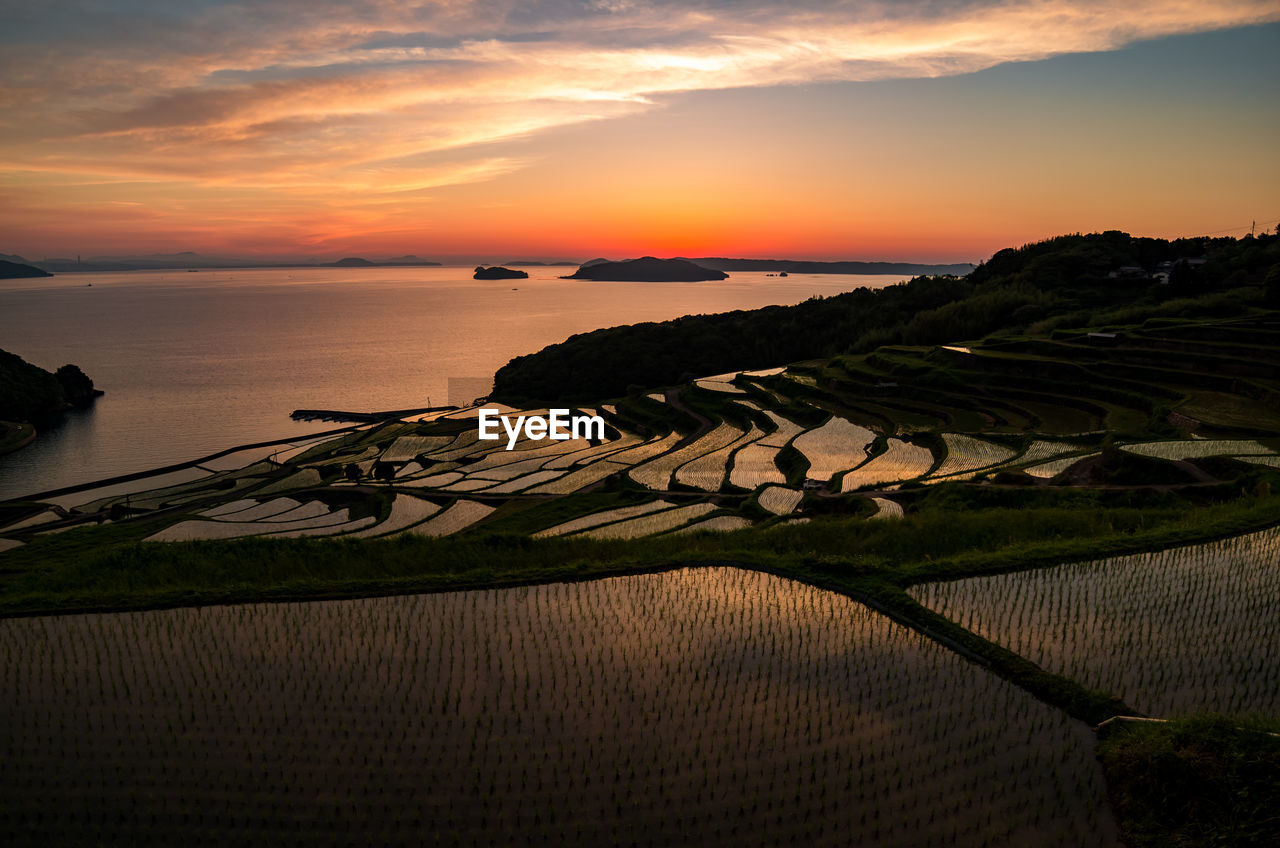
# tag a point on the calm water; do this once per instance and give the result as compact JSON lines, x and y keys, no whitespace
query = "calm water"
{"x":702,"y":707}
{"x":193,"y":363}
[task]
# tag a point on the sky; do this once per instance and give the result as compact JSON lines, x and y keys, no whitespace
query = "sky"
{"x":921,"y":130}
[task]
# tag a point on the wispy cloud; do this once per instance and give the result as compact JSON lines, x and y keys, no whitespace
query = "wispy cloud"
{"x":383,"y":97}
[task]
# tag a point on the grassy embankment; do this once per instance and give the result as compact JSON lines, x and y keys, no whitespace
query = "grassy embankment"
{"x":1204,"y":780}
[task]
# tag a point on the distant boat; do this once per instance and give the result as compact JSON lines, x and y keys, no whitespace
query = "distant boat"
{"x":783,"y":274}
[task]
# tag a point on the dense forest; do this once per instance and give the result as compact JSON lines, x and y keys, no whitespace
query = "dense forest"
{"x":1074,"y":280}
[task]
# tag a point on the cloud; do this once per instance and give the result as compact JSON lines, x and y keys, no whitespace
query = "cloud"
{"x":325,"y":94}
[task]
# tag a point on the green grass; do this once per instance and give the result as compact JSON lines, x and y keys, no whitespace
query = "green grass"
{"x":1200,"y":781}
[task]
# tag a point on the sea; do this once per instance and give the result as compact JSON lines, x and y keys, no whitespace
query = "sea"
{"x":196,"y":362}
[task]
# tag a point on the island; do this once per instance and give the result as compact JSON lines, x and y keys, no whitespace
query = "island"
{"x":647,"y":270}
{"x":497,"y":272}
{"x":17,"y":270}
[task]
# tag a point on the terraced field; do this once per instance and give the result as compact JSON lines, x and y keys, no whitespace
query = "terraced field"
{"x":698,"y":706}
{"x":1172,"y":632}
{"x":402,"y":463}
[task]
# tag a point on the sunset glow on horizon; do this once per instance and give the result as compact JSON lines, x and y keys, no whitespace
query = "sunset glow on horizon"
{"x":565,"y":130}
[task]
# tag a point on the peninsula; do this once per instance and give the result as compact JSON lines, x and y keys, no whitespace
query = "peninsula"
{"x":17,"y":270}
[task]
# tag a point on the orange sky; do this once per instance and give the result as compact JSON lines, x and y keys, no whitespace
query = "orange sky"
{"x":569,"y":130}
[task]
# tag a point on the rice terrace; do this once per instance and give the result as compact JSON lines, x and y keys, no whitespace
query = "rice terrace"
{"x":949,"y":563}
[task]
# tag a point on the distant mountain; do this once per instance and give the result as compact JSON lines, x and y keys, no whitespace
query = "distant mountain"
{"x":649,"y":270}
{"x":15,"y":270}
{"x":796,"y":266}
{"x":408,"y":259}
{"x":533,"y":263}
{"x":598,"y":260}
{"x":190,"y":259}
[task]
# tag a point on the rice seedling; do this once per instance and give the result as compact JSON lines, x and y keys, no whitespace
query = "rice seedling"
{"x":966,"y":455}
{"x":433,"y":481}
{"x":1041,"y":450}
{"x":467,"y":484}
{"x":509,"y":471}
{"x":310,"y":509}
{"x":531,"y":451}
{"x":591,"y":453}
{"x":694,"y":707}
{"x":254,"y":510}
{"x":409,"y":470}
{"x":647,"y":525}
{"x":1197,"y":448}
{"x":902,"y":461}
{"x":305,"y":479}
{"x":524,"y":482}
{"x":707,"y":472}
{"x":836,"y":445}
{"x":282,"y":455}
{"x":192,"y":529}
{"x":457,"y":517}
{"x":327,"y":530}
{"x":605,"y":517}
{"x":368,"y":454}
{"x":716,"y":524}
{"x":405,"y":448}
{"x":647,"y":450}
{"x":779,"y":499}
{"x":887,"y":508}
{"x":580,"y":479}
{"x":1171,"y":632}
{"x":756,"y":465}
{"x":1054,"y":467}
{"x":716,"y":386}
{"x":465,"y":443}
{"x":406,"y":510}
{"x":229,"y":507}
{"x":108,"y":494}
{"x":785,"y":432}
{"x":656,"y":473}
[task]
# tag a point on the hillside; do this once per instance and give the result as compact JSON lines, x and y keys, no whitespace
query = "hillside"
{"x":18,"y":270}
{"x":28,"y":392}
{"x":1063,"y":282}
